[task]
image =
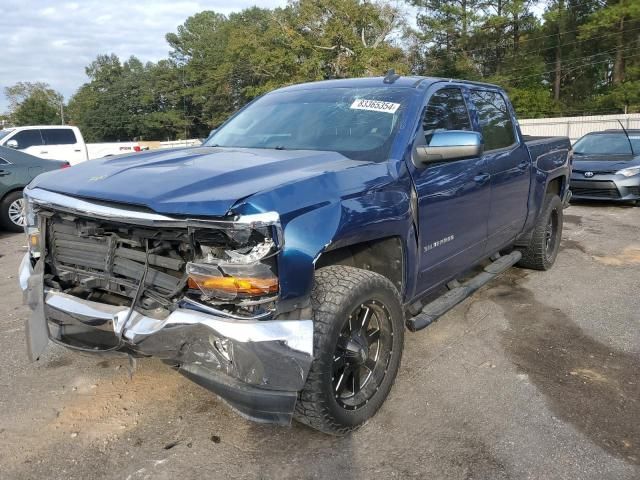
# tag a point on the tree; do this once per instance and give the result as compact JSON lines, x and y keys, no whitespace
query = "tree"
{"x":614,"y":29}
{"x":34,"y":104}
{"x":126,"y":100}
{"x":445,"y":28}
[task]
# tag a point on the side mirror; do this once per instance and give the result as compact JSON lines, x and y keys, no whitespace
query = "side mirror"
{"x":449,"y":145}
{"x":12,"y":144}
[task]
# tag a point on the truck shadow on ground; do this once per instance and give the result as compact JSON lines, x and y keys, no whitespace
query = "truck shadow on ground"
{"x":601,"y":204}
{"x":587,"y":383}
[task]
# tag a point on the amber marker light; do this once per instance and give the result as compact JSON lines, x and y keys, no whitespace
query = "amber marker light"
{"x":237,"y":285}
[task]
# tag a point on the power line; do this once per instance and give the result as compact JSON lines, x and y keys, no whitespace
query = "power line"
{"x":570,"y":69}
{"x":572,"y":61}
{"x":561,"y":45}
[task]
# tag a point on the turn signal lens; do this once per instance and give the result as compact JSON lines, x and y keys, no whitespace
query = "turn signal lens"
{"x":227,"y":282}
{"x":33,"y":238}
{"x":234,"y":285}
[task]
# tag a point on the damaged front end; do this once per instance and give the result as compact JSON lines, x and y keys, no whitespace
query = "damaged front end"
{"x":199,"y":294}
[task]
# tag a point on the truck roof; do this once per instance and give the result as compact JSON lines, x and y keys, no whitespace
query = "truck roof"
{"x":408,"y":81}
{"x":31,"y":127}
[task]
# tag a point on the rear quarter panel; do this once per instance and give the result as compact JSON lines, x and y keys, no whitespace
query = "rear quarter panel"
{"x":551,"y":160}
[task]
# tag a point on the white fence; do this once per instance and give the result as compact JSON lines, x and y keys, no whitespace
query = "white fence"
{"x":576,"y":127}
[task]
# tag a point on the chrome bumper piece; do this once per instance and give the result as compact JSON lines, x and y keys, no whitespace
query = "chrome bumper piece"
{"x":258,"y":366}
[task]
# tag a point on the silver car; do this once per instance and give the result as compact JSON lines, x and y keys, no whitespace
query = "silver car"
{"x":606,"y":166}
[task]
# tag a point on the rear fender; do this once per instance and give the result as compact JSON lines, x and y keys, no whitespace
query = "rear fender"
{"x":547,"y":168}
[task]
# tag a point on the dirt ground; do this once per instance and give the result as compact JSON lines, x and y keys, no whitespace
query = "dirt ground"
{"x":536,"y":376}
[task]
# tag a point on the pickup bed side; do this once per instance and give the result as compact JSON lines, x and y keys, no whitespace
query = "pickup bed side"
{"x":551,"y":159}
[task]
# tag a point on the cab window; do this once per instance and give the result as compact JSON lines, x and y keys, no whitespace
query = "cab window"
{"x":27,"y":138}
{"x":495,"y":119}
{"x":58,"y":136}
{"x":446,"y":110}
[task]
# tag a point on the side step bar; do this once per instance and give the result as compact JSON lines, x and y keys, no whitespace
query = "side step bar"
{"x":441,"y":305}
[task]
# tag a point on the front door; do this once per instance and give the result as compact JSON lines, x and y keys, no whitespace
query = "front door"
{"x":453,"y":198}
{"x":29,"y":141}
{"x":12,"y":176}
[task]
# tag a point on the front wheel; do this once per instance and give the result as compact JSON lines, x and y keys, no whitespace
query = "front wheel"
{"x":358,"y":340}
{"x":543,"y":247}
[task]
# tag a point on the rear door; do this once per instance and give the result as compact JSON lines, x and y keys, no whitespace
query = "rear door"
{"x":62,"y":144}
{"x":509,"y":164}
{"x":12,"y":175}
{"x":453,"y":197}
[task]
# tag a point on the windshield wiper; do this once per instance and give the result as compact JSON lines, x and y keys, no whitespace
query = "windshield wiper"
{"x":280,"y":147}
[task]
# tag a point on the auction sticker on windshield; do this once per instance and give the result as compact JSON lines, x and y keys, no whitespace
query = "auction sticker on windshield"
{"x":375,"y":105}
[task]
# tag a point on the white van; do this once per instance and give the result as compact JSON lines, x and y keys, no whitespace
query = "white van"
{"x":61,"y":142}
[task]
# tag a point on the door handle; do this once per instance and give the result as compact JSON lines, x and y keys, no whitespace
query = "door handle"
{"x":481,"y":178}
{"x":44,"y":152}
{"x":522,"y":165}
{"x":77,"y":150}
{"x":4,"y":173}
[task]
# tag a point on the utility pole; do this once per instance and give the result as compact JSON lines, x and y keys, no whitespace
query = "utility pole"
{"x":61,"y":113}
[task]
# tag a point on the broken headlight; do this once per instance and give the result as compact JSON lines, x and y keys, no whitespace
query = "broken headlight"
{"x":235,"y":264}
{"x":31,"y":227}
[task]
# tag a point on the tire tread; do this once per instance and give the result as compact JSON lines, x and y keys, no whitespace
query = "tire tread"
{"x":332,"y":285}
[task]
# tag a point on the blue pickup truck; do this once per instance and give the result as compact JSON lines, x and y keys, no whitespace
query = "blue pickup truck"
{"x":279,"y":264}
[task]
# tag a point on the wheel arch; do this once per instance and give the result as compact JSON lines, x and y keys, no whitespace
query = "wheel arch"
{"x":385,"y":256}
{"x":557,"y":185}
{"x":10,"y":191}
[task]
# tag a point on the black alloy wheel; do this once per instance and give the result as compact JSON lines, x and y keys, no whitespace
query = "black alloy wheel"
{"x":362,"y":355}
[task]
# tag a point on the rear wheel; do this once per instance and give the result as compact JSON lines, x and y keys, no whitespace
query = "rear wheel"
{"x":11,"y":216}
{"x":358,"y":339}
{"x":543,"y":247}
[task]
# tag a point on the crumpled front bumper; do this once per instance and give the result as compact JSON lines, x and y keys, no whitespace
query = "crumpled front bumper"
{"x":257,"y":366}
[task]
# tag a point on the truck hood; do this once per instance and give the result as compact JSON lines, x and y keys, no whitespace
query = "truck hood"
{"x":604,"y":163}
{"x":202,"y":181}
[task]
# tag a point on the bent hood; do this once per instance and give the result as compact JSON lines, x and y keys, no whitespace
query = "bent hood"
{"x":203,"y":181}
{"x":604,"y":163}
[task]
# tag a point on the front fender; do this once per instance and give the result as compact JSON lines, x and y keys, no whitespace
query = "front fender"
{"x":367,"y":217}
{"x":329,"y":211}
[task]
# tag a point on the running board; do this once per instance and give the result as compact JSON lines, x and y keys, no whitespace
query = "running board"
{"x":441,"y":305}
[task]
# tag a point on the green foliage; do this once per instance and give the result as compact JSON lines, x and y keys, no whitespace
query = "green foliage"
{"x":580,"y":57}
{"x":219,"y":63}
{"x":33,"y":104}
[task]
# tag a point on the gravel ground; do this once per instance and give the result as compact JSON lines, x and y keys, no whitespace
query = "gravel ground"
{"x":536,"y":376}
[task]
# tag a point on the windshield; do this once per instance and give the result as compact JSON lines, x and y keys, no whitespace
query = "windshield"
{"x":4,"y":133}
{"x":359,"y":123}
{"x":607,"y":144}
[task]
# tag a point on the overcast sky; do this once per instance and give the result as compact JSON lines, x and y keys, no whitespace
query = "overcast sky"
{"x":53,"y":40}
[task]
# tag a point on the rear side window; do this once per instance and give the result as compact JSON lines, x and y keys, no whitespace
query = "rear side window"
{"x":58,"y":136}
{"x":446,"y":110}
{"x":495,"y":120}
{"x":27,"y":138}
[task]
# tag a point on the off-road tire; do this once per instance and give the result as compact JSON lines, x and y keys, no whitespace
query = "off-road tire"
{"x":536,"y":255}
{"x":338,"y":290}
{"x":5,"y":221}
